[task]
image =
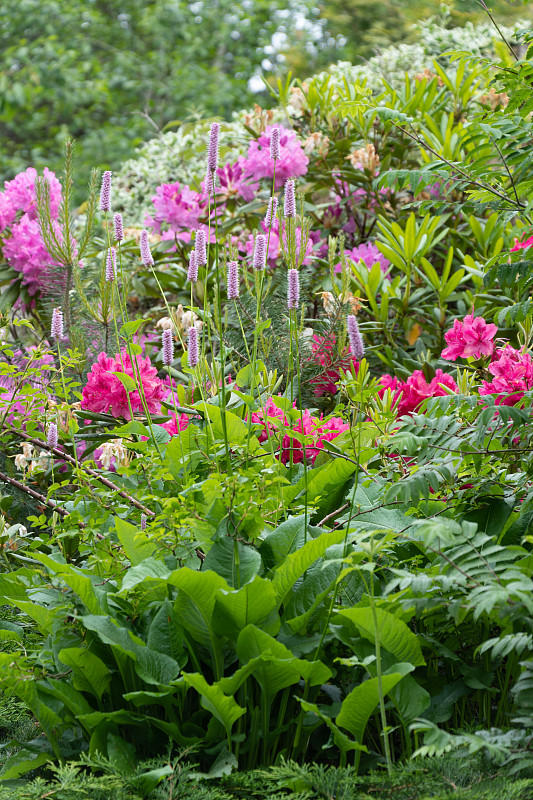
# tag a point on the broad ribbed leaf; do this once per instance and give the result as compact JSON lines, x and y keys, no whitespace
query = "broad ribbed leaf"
{"x":90,"y":674}
{"x":213,"y":699}
{"x":137,"y":545}
{"x":394,"y":634}
{"x":253,"y":604}
{"x":297,"y":563}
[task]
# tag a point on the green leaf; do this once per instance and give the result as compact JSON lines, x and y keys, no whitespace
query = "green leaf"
{"x":149,"y":569}
{"x":297,"y":563}
{"x":94,"y":599}
{"x":361,"y":702}
{"x":25,"y":759}
{"x":150,"y":666}
{"x":194,"y":606}
{"x":221,"y":559}
{"x":287,"y":538}
{"x":90,"y":674}
{"x":126,"y":380}
{"x":394,"y":634}
{"x":165,"y":634}
{"x":137,"y":544}
{"x":255,"y":603}
{"x":410,"y":699}
{"x":341,"y":740}
{"x":131,"y":327}
{"x":213,"y":699}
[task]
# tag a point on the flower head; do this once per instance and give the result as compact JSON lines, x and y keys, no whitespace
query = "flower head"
{"x":192,"y":273}
{"x":118,"y":227}
{"x":293,"y":291}
{"x":356,"y":342}
{"x":146,"y":255}
{"x":56,"y":328}
{"x":272,"y":208}
{"x":167,"y":341}
{"x":111,"y":264}
{"x":369,"y":254}
{"x":292,"y":161}
{"x":105,"y":192}
{"x":212,"y":148}
{"x":233,"y":280}
{"x":275,"y":151}
{"x":289,"y":208}
{"x":177,"y":206}
{"x":192,"y":354}
{"x":51,"y":435}
{"x":522,"y":245}
{"x":105,"y":393}
{"x":470,"y":338}
{"x":200,"y":244}
{"x":260,"y":252}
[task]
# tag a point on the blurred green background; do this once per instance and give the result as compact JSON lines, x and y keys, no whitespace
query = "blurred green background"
{"x":113,"y":73}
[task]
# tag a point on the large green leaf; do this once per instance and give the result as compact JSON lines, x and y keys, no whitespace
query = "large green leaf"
{"x":137,"y":544}
{"x":341,"y":740}
{"x":275,"y":666}
{"x":236,"y":569}
{"x":253,"y":604}
{"x":309,"y":596}
{"x":165,"y":634}
{"x":236,"y":428}
{"x":90,"y":674}
{"x":394,"y":634}
{"x":297,"y":563}
{"x":410,"y":699}
{"x":48,"y":619}
{"x":29,"y":757}
{"x":148,"y":570}
{"x":287,"y":538}
{"x":93,"y":598}
{"x":360,"y":703}
{"x":326,"y":485}
{"x":194,"y":606}
{"x":223,"y":708}
{"x":150,"y":666}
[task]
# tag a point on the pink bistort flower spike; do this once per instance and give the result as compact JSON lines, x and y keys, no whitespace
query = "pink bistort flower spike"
{"x":118,"y":228}
{"x":51,"y":436}
{"x":167,"y":341}
{"x":260,"y":252}
{"x":143,"y":522}
{"x":111,"y":264}
{"x":146,"y":255}
{"x":200,"y":245}
{"x":105,"y":192}
{"x":212,"y":148}
{"x":293,"y":292}
{"x":274,"y":144}
{"x":356,"y":342}
{"x":471,"y":338}
{"x":233,"y":280}
{"x":56,"y":328}
{"x":192,"y":273}
{"x":192,"y":355}
{"x":290,"y":199}
{"x":271,"y":211}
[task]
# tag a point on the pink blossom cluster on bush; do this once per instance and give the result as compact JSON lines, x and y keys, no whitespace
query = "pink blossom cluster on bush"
{"x":410,"y":394}
{"x":105,"y":393}
{"x":178,"y":207}
{"x":292,"y":161}
{"x":369,"y":254}
{"x":23,"y":247}
{"x":513,"y":375}
{"x":320,"y":430}
{"x":471,"y":338}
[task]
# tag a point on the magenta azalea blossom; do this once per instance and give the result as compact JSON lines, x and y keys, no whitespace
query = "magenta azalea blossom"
{"x":369,"y":254}
{"x":411,"y":393}
{"x":25,"y":251}
{"x":513,"y":376}
{"x":522,"y":245}
{"x":291,"y":163}
{"x":104,"y":392}
{"x":19,"y":195}
{"x":471,"y":338}
{"x":233,"y":181}
{"x":177,"y":206}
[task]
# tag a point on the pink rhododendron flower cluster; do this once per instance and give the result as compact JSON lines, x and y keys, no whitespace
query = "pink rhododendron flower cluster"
{"x":176,"y":206}
{"x":513,"y":376}
{"x":19,"y":195}
{"x":411,"y":393}
{"x":369,"y":254}
{"x":104,"y":392}
{"x":176,"y":423}
{"x":24,"y":248}
{"x":320,"y":430}
{"x":324,"y":353}
{"x":233,"y":181}
{"x":470,"y":338}
{"x":292,"y":161}
{"x":522,"y":245}
{"x":26,"y":252}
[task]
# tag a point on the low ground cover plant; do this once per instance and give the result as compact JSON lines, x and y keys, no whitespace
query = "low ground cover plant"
{"x":266,"y":462}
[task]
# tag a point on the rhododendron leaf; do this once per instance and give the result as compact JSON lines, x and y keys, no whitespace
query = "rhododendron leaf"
{"x":126,"y":380}
{"x":130,"y":429}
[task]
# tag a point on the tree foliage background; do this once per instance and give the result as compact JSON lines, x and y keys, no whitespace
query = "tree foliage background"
{"x":112,"y":73}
